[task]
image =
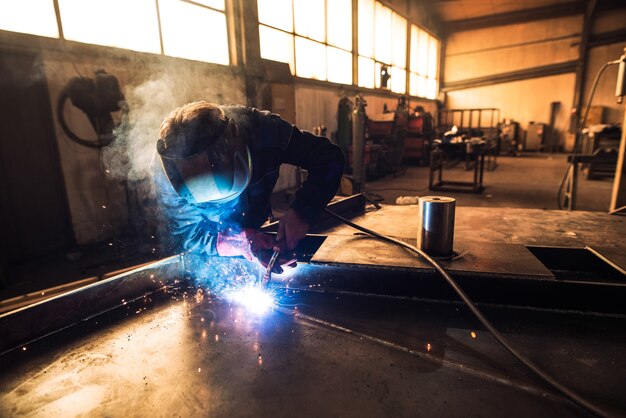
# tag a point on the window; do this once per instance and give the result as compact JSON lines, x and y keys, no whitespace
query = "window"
{"x":310,"y":35}
{"x":194,"y":30}
{"x":424,"y":64}
{"x":100,"y":22}
{"x":36,"y":17}
{"x":382,"y":46}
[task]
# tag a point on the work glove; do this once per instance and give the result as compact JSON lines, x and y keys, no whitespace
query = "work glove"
{"x":246,"y":242}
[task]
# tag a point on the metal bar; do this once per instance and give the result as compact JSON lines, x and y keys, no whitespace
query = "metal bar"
{"x":581,"y":63}
{"x":57,"y":12}
{"x":158,"y":12}
{"x":561,"y":10}
{"x":525,"y":74}
{"x":42,"y":318}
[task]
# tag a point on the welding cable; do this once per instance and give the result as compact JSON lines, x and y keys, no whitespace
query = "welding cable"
{"x":576,"y":399}
{"x":578,"y":138}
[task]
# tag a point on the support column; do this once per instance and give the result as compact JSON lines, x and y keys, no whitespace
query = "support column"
{"x":618,"y":198}
{"x":581,"y":65}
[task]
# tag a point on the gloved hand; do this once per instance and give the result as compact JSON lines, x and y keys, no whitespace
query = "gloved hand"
{"x":247,"y":242}
{"x":291,"y":229}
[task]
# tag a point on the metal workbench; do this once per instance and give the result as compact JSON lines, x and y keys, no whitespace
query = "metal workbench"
{"x":328,"y":349}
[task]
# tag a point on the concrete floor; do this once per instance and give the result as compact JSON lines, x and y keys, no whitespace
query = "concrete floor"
{"x":529,"y":181}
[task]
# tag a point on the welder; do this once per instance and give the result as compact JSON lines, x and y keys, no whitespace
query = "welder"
{"x":218,"y":166}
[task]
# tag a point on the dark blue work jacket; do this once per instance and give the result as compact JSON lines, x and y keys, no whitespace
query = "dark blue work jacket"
{"x":272,"y":141}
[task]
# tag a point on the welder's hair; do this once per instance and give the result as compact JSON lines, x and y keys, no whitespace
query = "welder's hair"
{"x":193,"y":120}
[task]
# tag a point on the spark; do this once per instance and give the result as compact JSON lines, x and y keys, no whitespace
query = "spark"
{"x":473,"y":334}
{"x":253,"y":298}
{"x":23,"y":348}
{"x":428,"y":347}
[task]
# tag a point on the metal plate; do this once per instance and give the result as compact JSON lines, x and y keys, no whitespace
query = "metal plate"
{"x":501,"y":260}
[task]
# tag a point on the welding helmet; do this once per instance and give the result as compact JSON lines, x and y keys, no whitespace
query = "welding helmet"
{"x":207,"y":168}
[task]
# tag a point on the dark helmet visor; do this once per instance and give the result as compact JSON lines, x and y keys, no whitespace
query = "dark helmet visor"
{"x":208,"y":169}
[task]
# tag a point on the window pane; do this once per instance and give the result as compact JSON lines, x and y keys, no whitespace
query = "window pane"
{"x":433,"y":55}
{"x":398,"y":45}
{"x":413,"y":84}
{"x":310,"y":18}
{"x":310,"y":59}
{"x":422,"y":53}
{"x":431,"y":88}
{"x":101,"y":23}
{"x":216,"y":4}
{"x":193,"y":32}
{"x":36,"y":17}
{"x":339,"y":65}
{"x":339,"y":18}
{"x":421,"y":86}
{"x":414,"y":49}
{"x":377,"y":69}
{"x":276,"y":45}
{"x":383,"y":34}
{"x":398,"y":80}
{"x":366,"y":28}
{"x":277,"y":13}
{"x":366,"y":72}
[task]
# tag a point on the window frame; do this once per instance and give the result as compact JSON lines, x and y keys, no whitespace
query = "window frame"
{"x":325,"y":44}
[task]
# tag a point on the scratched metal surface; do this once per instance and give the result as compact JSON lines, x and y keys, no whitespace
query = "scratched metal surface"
{"x":512,"y":260}
{"x":197,"y":357}
{"x":510,"y":225}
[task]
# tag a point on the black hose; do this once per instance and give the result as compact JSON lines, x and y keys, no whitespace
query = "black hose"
{"x":483,"y":320}
{"x":578,"y":137}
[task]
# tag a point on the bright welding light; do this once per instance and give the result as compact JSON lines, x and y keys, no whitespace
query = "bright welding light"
{"x":253,"y":298}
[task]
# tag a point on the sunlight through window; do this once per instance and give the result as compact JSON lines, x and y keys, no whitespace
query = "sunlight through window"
{"x":36,"y":17}
{"x":310,"y":19}
{"x":398,"y":80}
{"x":193,"y":32}
{"x":101,"y":22}
{"x":366,"y":72}
{"x":312,"y":48}
{"x":339,"y":66}
{"x":339,"y":18}
{"x":276,"y":45}
{"x":382,"y":48}
{"x":366,"y":28}
{"x":310,"y":59}
{"x":276,"y":13}
{"x":424,"y":64}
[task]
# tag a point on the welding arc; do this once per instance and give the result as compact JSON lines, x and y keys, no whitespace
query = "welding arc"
{"x":583,"y":403}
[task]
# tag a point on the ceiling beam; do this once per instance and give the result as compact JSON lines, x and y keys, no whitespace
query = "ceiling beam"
{"x":525,"y":74}
{"x":547,"y":12}
{"x":606,"y":38}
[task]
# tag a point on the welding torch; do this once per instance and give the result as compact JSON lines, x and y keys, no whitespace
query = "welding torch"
{"x":267,"y":277}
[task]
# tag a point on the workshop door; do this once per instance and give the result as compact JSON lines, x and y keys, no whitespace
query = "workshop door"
{"x":34,"y":216}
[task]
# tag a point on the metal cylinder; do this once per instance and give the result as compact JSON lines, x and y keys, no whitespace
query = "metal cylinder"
{"x":358,"y":143}
{"x":435,"y":230}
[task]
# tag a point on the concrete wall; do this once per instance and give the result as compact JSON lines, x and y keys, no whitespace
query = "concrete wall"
{"x":96,"y":181}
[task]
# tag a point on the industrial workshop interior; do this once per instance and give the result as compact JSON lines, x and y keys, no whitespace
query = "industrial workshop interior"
{"x":313,"y":208}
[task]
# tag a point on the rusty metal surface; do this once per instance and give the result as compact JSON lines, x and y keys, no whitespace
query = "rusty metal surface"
{"x":196,"y":357}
